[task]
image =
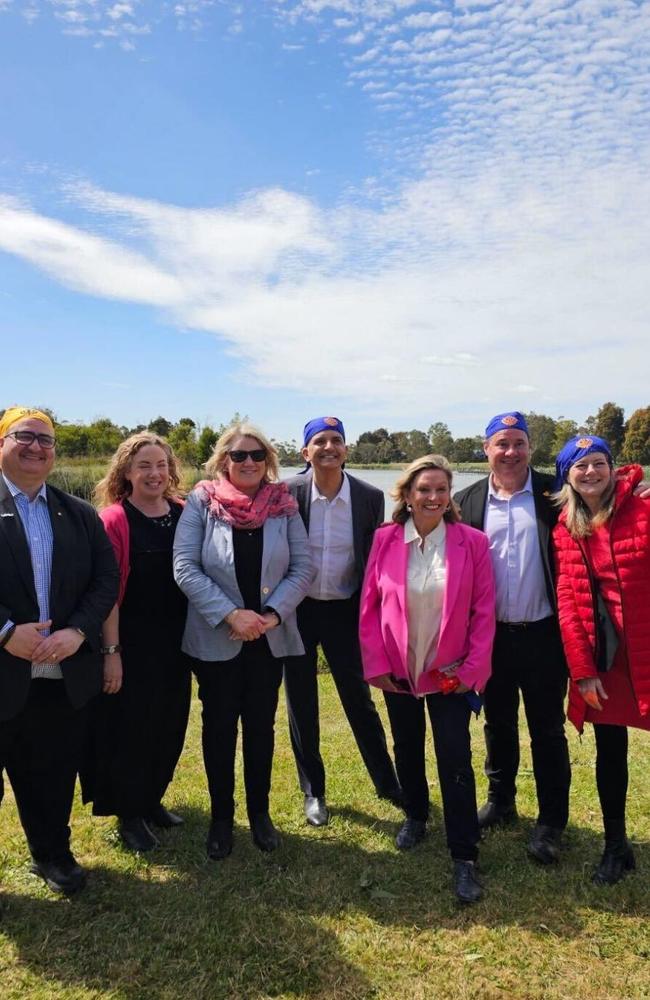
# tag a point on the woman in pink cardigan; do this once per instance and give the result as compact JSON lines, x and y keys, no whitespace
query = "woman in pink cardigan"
{"x":426,"y":629}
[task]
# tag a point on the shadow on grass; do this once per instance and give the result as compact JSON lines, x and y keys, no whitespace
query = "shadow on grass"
{"x":286,"y":924}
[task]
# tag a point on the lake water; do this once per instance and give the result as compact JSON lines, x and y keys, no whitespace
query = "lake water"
{"x":384,"y":479}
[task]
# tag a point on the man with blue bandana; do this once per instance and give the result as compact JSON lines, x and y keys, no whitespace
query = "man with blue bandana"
{"x":513,"y":506}
{"x":340,"y":513}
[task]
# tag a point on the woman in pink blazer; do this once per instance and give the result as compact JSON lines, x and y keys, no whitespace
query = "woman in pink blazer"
{"x":426,"y":630}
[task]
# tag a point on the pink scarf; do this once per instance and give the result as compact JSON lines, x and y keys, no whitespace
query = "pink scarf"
{"x":226,"y":503}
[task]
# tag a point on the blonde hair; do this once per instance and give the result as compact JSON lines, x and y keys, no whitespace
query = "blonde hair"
{"x":115,"y":486}
{"x":404,"y":483}
{"x":580,"y":521}
{"x":215,"y":466}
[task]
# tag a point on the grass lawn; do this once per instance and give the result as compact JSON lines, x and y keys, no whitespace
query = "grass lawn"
{"x":336,"y":912}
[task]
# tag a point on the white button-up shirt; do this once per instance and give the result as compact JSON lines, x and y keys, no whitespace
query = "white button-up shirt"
{"x":511,"y":527}
{"x":332,"y":545}
{"x":426,"y":577}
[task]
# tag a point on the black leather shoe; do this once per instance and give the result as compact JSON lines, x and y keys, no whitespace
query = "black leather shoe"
{"x":491,"y":815}
{"x":219,"y":842}
{"x":63,"y":875}
{"x":544,"y":845}
{"x":467,"y":887}
{"x":411,"y":832}
{"x":617,"y":859}
{"x":264,"y":834}
{"x":163,"y":818}
{"x":316,"y":811}
{"x":136,"y":835}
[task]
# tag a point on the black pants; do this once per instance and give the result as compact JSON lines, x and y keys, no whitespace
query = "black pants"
{"x":611,"y":771}
{"x":530,"y":660}
{"x":335,"y":625}
{"x":450,"y":715}
{"x":244,"y":688}
{"x":40,"y":750}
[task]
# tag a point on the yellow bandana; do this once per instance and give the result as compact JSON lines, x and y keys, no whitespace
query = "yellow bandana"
{"x":16,"y":413}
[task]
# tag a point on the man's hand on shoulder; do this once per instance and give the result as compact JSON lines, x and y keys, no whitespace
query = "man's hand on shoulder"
{"x":643,"y":490}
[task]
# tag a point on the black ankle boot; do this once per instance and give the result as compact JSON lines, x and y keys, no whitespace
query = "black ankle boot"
{"x":618,"y":856}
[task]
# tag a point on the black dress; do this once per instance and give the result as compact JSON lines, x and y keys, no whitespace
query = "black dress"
{"x":138,"y":733}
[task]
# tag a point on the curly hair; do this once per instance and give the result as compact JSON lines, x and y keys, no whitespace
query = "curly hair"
{"x":115,"y":486}
{"x":215,"y":466}
{"x":404,"y":483}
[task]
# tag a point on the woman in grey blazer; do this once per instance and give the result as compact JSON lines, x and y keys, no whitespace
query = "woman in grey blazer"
{"x":241,"y":555}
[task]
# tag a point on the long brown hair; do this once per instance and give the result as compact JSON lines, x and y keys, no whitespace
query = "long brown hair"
{"x":115,"y":486}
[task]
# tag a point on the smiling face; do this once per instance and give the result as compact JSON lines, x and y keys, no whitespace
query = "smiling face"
{"x":247,"y":475}
{"x":508,"y":453}
{"x":326,"y":451}
{"x":26,"y":465}
{"x":428,"y":497}
{"x":591,"y":478}
{"x":148,"y":474}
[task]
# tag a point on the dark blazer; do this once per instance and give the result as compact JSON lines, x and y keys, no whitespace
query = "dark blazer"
{"x":367,"y":503}
{"x":472,"y":501}
{"x":83,"y":589}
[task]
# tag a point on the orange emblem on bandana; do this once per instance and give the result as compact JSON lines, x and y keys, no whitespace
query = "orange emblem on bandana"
{"x":584,"y":443}
{"x":509,"y":420}
{"x":330,"y":421}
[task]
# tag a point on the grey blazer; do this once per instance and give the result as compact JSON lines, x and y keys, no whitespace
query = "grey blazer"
{"x":204,"y":569}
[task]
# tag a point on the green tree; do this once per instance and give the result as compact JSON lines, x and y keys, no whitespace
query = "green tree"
{"x":71,"y":440}
{"x":610,"y":424}
{"x":182,"y":439}
{"x":288,"y":452}
{"x":440,"y":439}
{"x":467,"y":449}
{"x":160,"y":426}
{"x":103,"y":436}
{"x":542,"y":436}
{"x":205,"y":444}
{"x":564,"y":429}
{"x":636,"y":447}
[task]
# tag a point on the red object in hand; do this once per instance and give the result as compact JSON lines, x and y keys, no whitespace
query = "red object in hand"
{"x":448,"y":684}
{"x":591,"y":698}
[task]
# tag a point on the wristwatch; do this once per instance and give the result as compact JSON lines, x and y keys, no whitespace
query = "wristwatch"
{"x":114,"y":648}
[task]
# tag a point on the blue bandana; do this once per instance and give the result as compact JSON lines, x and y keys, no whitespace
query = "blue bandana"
{"x":513,"y":420}
{"x":575,"y":449}
{"x":319,"y":424}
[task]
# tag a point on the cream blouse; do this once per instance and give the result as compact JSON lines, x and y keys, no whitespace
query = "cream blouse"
{"x":425,"y":592}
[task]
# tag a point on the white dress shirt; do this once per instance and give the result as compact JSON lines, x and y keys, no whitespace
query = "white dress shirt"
{"x":332,"y":545}
{"x":425,"y":593}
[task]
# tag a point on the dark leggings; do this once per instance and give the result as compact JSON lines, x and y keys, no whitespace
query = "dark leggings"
{"x":611,"y":770}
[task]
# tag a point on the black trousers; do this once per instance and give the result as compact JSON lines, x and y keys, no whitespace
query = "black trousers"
{"x":244,"y":688}
{"x":335,"y":625}
{"x":449,"y":715}
{"x":530,"y":660}
{"x":40,"y":751}
{"x":611,"y":771}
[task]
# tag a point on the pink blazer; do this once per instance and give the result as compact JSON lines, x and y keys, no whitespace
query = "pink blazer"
{"x":468,"y":615}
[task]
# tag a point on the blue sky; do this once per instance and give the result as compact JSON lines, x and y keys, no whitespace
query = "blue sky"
{"x":393,"y":211}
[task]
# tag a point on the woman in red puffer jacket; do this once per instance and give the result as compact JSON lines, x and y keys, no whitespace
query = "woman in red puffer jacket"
{"x":602,"y":549}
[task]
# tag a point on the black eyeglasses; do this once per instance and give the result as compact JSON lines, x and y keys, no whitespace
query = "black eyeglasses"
{"x":239,"y":455}
{"x":28,"y":437}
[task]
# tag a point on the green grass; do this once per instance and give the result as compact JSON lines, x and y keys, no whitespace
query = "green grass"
{"x":336,"y":912}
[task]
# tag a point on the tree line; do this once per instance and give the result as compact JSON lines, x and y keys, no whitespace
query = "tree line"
{"x":629,"y":439}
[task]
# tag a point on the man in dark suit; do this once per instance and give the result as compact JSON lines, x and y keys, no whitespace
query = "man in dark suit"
{"x":58,"y":582}
{"x":513,"y":506}
{"x":340,"y":513}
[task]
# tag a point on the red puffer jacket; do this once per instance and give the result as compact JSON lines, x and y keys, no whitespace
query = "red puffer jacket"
{"x":630,"y":544}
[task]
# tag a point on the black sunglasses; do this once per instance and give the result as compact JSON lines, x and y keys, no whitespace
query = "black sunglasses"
{"x":239,"y":455}
{"x":28,"y":437}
